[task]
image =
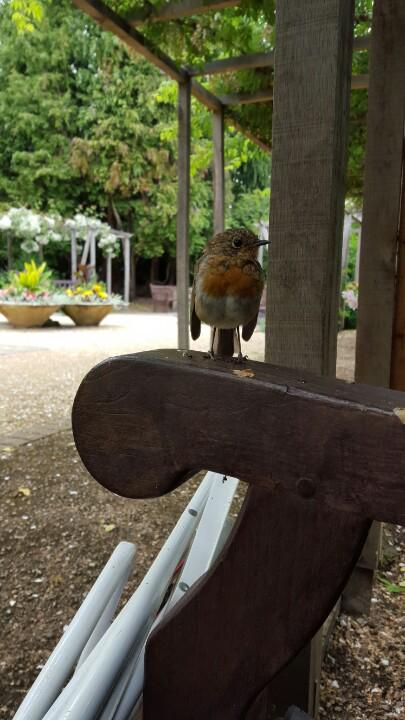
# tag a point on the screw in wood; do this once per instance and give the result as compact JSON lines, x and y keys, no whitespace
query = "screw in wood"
{"x":306,"y":487}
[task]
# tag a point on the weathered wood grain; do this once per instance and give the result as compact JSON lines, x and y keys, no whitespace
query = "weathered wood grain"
{"x":398,"y":340}
{"x":311,"y":102}
{"x":382,"y":191}
{"x":219,"y":170}
{"x":275,"y":583}
{"x":143,"y":423}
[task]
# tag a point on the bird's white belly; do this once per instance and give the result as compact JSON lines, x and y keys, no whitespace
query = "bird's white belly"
{"x":225,"y":312}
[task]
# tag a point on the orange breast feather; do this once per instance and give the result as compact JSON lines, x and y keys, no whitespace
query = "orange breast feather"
{"x":231,"y":282}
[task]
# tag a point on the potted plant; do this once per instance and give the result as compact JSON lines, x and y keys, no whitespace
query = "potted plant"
{"x":27,"y":297}
{"x":88,"y":303}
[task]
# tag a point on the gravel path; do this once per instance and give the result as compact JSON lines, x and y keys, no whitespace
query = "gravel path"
{"x":50,"y":509}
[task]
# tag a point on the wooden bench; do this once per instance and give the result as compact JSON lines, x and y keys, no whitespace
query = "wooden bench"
{"x":292,"y":436}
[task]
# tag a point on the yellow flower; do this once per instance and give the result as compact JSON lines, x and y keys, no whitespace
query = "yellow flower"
{"x":69,"y":292}
{"x":87,"y":293}
{"x":103,"y":295}
{"x":97,"y":288}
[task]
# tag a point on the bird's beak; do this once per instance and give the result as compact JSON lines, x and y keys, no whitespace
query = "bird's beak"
{"x":261,"y":242}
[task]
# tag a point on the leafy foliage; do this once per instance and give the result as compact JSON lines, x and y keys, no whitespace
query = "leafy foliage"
{"x":34,"y":277}
{"x":84,"y":126}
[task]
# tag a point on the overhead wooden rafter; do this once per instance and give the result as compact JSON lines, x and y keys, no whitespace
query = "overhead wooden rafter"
{"x":357,"y":82}
{"x":110,"y":20}
{"x":256,"y":60}
{"x":176,"y":10}
{"x":123,"y":28}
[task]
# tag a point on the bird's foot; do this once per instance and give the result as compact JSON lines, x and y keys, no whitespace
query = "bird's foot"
{"x":187,"y":354}
{"x":240,"y":359}
{"x":210,"y":355}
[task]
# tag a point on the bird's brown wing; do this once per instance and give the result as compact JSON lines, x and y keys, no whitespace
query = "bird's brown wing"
{"x":247,"y":330}
{"x":195,"y":322}
{"x":253,"y":268}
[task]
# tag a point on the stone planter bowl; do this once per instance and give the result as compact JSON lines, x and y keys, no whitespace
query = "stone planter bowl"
{"x":22,"y":315}
{"x":87,"y":314}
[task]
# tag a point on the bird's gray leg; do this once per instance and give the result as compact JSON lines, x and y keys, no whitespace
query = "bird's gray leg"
{"x":211,"y":353}
{"x":240,"y":357}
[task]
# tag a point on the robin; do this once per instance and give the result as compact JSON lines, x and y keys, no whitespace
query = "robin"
{"x":228,"y":285}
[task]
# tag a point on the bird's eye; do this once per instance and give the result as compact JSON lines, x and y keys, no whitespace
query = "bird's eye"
{"x":236,"y":242}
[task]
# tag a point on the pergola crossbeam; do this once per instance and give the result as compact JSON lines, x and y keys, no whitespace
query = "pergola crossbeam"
{"x":257,"y":60}
{"x":241,"y":62}
{"x":176,"y":10}
{"x":358,"y":82}
{"x":109,"y":20}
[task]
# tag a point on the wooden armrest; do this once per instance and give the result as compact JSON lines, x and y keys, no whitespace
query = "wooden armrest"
{"x":144,"y":423}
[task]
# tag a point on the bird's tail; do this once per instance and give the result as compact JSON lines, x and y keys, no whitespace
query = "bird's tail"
{"x":224,"y":343}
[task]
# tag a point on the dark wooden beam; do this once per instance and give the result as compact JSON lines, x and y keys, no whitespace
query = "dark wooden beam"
{"x":362,"y":43}
{"x":183,"y":212}
{"x":359,"y":82}
{"x":110,"y":20}
{"x":246,"y":98}
{"x":241,"y":62}
{"x":176,"y":10}
{"x":257,"y":60}
{"x":233,"y":122}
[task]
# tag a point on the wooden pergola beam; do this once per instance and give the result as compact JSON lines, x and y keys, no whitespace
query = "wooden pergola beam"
{"x":358,"y":82}
{"x":111,"y":21}
{"x":176,"y":10}
{"x":233,"y":64}
{"x":246,"y":98}
{"x":231,"y":120}
{"x":257,"y":60}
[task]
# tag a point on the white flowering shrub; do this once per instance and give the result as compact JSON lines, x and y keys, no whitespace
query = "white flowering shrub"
{"x":35,"y":230}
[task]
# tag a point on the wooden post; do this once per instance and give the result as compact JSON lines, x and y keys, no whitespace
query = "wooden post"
{"x":108,"y":272}
{"x":183,"y":203}
{"x":219,"y":170}
{"x":127,"y":268}
{"x":9,"y":252}
{"x":86,"y":246}
{"x":93,"y":250}
{"x":382,"y":193}
{"x":398,"y":340}
{"x":308,"y":169}
{"x":73,"y":253}
{"x":347,"y":226}
{"x":311,"y":104}
{"x":379,"y":241}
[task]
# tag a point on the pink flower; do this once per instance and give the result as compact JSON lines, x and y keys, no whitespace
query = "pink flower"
{"x":350,"y":298}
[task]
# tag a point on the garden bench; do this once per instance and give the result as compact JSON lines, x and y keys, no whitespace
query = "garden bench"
{"x":145,"y":423}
